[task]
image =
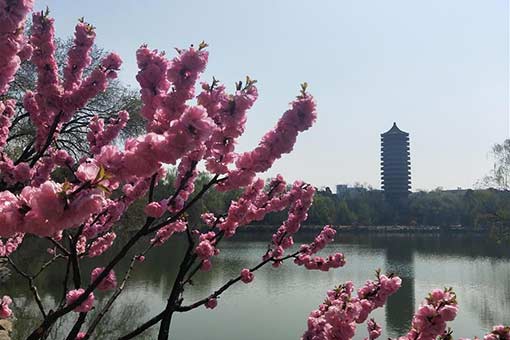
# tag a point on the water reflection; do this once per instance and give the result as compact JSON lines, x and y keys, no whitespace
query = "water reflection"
{"x":276,"y":304}
{"x":400,"y":308}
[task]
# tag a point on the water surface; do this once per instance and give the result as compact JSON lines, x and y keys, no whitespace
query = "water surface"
{"x":276,"y":304}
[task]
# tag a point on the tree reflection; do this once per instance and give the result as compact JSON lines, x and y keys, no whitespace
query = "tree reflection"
{"x":481,"y":279}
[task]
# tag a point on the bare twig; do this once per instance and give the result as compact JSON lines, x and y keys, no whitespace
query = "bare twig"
{"x":111,"y":300}
{"x":33,"y":287}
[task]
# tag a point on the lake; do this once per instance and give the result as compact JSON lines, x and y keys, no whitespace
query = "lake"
{"x":276,"y":304}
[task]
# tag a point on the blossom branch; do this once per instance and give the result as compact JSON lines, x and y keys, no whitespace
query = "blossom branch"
{"x":59,"y":246}
{"x":222,"y":289}
{"x":47,"y":264}
{"x":47,"y":143}
{"x":144,"y":230}
{"x":115,"y":295}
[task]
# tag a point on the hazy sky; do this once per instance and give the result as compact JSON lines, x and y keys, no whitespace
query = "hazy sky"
{"x":439,"y":68}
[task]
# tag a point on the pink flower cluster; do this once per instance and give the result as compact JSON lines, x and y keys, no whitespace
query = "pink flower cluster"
{"x":255,"y":203}
{"x":5,"y":311}
{"x":11,"y":244}
{"x":100,"y":135}
{"x":137,"y":188}
{"x":46,"y":209}
{"x":430,"y":320}
{"x":103,"y":221}
{"x":78,"y":56}
{"x":52,"y":101}
{"x":101,"y":244}
{"x":210,"y":219}
{"x":6,"y":113}
{"x":41,"y":171}
{"x":337,"y":317}
{"x":274,"y":144}
{"x":211,"y":303}
{"x":12,"y":19}
{"x":499,"y":332}
{"x":80,"y":336}
{"x":206,"y":249}
{"x":11,"y":173}
{"x":152,"y":79}
{"x":86,"y":305}
{"x":81,"y":245}
{"x":239,"y":211}
{"x":155,"y":209}
{"x":377,"y":292}
{"x":157,"y":75}
{"x":163,"y":234}
{"x":144,"y":155}
{"x":300,"y":200}
{"x":306,"y":252}
{"x":374,"y":329}
{"x":108,"y":283}
{"x":229,"y":114}
{"x":183,"y":72}
{"x":247,"y":276}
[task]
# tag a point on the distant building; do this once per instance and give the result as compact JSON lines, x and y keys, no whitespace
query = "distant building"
{"x":395,"y":166}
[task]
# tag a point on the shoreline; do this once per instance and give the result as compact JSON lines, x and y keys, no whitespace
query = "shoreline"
{"x":379,"y":229}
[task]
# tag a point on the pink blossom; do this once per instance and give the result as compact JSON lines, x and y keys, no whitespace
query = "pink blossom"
{"x":430,"y":319}
{"x":246,"y":275}
{"x":112,"y":62}
{"x":11,"y":23}
{"x":101,"y":134}
{"x":163,"y":234}
{"x":152,"y":79}
{"x":499,"y":332}
{"x":205,"y":249}
{"x":81,"y":245}
{"x":10,"y":216}
{"x":155,"y":209}
{"x":78,"y":56}
{"x":108,"y":283}
{"x":101,"y":244}
{"x":87,"y":172}
{"x":374,"y":329}
{"x":5,"y":311}
{"x":11,"y":244}
{"x":211,"y":303}
{"x":206,"y":265}
{"x":6,"y":113}
{"x":275,"y":143}
{"x":85,"y":306}
{"x":80,"y":336}
{"x":208,"y":218}
{"x":315,"y":262}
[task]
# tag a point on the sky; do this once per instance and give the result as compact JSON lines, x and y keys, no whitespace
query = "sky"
{"x":439,"y":68}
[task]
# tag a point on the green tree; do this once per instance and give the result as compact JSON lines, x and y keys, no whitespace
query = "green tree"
{"x":322,"y":210}
{"x":72,"y":136}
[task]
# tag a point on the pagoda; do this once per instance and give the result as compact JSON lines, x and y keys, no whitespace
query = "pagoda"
{"x":395,"y":166}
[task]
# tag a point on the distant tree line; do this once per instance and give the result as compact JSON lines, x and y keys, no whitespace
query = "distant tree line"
{"x":471,"y":209}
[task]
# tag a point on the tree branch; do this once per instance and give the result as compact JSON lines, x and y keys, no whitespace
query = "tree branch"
{"x":31,"y":285}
